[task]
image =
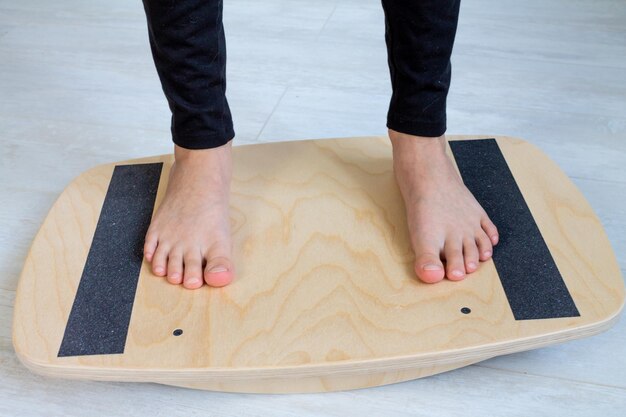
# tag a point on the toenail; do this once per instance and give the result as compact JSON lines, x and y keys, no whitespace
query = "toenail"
{"x":218,"y":268}
{"x":471,"y":265}
{"x":488,"y":253}
{"x":193,"y":281}
{"x":457,"y":273}
{"x":158,"y":270}
{"x":494,"y":239}
{"x":431,"y":267}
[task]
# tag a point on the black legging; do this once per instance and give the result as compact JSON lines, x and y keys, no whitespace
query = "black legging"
{"x":189,"y":50}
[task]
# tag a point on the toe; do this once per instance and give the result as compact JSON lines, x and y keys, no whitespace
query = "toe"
{"x":150,"y":245}
{"x":159,"y":260}
{"x":428,"y":266}
{"x":455,"y":267}
{"x":470,"y":255}
{"x":484,"y":245}
{"x":490,"y":229}
{"x":175,"y":267}
{"x":218,"y":271}
{"x":192,"y":274}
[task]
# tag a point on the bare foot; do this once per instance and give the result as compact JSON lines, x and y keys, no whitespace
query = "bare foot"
{"x":445,"y":220}
{"x":189,"y":238}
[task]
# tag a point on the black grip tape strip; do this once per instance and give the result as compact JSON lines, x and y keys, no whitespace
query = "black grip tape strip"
{"x":99,"y":319}
{"x":531,"y":280}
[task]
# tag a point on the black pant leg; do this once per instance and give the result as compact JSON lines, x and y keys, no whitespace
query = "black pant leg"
{"x":189,"y":51}
{"x":419,"y":35}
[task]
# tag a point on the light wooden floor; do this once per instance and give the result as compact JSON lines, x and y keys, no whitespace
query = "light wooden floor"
{"x":78,"y":88}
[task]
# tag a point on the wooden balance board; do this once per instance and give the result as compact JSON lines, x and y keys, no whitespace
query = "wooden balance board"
{"x":325,"y":296}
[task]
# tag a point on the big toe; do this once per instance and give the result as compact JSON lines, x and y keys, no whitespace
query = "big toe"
{"x":218,"y":271}
{"x":429,"y":268}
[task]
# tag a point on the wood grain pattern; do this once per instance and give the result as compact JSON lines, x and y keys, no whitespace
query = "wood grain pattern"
{"x":325,"y":298}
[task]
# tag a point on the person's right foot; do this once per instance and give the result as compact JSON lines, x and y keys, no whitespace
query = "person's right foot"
{"x":189,"y":238}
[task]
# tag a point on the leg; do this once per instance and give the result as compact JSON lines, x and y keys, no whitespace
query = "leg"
{"x":445,"y":220}
{"x":189,"y":237}
{"x":189,"y":51}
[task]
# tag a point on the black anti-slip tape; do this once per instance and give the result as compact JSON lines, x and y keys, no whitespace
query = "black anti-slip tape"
{"x":99,"y":319}
{"x":530,"y":278}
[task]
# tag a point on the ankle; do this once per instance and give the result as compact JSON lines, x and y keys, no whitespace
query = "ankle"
{"x":408,"y":147}
{"x":405,"y":139}
{"x":222,"y":152}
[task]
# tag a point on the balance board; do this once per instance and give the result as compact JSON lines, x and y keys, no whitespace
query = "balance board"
{"x":325,"y":296}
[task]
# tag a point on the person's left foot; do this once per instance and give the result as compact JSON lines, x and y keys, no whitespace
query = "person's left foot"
{"x":445,"y":220}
